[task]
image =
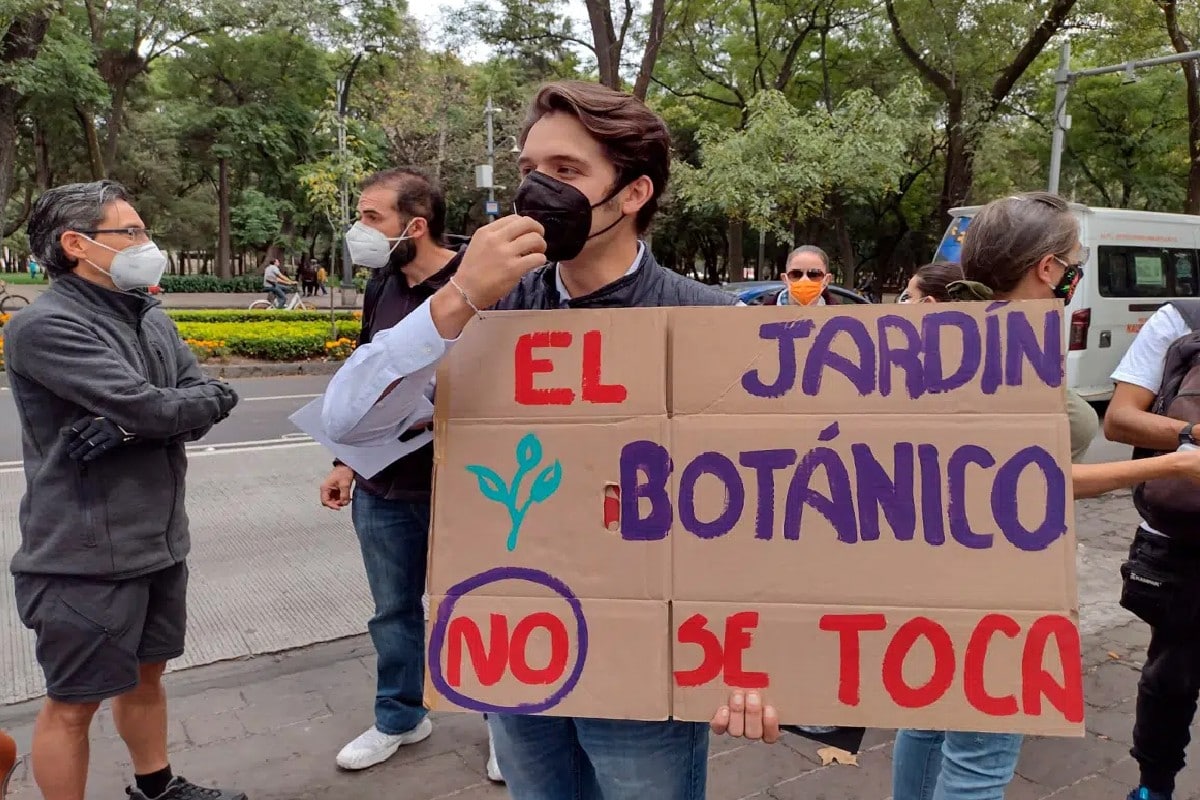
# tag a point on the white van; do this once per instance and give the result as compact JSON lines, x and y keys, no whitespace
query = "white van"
{"x":1138,"y":261}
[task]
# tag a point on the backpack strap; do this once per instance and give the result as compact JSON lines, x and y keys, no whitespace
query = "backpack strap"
{"x":1189,"y":309}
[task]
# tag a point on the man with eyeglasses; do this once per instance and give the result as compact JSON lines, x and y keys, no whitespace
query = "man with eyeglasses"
{"x":807,"y":278}
{"x":106,"y":394}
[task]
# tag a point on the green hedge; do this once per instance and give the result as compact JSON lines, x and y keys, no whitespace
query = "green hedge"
{"x":210,"y":283}
{"x":270,"y":341}
{"x":256,"y":315}
{"x":185,"y":284}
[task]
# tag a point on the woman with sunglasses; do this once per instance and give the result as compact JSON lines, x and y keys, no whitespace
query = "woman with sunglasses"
{"x":807,"y":279}
{"x":1020,"y":248}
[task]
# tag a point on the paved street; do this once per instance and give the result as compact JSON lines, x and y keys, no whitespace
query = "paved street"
{"x":280,"y":675}
{"x":207,"y":299}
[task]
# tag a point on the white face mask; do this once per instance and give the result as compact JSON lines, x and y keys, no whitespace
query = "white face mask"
{"x":369,"y":247}
{"x":137,"y":267}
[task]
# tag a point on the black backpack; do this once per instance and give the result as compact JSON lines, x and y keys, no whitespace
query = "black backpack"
{"x":1172,"y":505}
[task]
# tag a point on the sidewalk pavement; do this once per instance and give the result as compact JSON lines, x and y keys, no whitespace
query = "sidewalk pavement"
{"x":272,"y":725}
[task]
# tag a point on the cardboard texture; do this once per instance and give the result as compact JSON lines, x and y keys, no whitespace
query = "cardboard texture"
{"x":865,"y":512}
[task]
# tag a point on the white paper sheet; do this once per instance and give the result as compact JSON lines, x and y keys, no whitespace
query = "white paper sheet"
{"x":368,"y":460}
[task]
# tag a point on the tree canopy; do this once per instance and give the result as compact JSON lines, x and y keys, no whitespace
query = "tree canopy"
{"x":854,"y":124}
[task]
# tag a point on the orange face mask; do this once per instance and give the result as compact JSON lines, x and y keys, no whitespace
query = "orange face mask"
{"x":805,"y":291}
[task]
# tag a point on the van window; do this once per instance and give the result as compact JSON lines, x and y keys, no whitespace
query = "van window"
{"x":1185,"y":272}
{"x":1147,"y":272}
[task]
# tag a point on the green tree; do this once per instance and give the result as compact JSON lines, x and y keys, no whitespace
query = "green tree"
{"x":781,"y":169}
{"x":23,"y":27}
{"x":974,"y":56}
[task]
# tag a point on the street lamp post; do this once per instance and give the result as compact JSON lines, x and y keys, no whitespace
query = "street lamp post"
{"x":489,"y":112}
{"x":1064,"y":77}
{"x":343,"y":99}
{"x":488,"y":172}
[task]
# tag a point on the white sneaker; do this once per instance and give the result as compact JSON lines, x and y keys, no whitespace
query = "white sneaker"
{"x":375,"y":747}
{"x":493,"y":768}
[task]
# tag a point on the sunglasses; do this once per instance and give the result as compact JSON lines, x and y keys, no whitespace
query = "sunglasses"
{"x":811,"y":274}
{"x":1085,"y":255}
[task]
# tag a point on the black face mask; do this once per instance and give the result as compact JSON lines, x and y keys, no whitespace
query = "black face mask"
{"x":563,"y":211}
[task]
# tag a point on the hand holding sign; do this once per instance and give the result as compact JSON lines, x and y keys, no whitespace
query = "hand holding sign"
{"x":745,"y":716}
{"x":500,"y":254}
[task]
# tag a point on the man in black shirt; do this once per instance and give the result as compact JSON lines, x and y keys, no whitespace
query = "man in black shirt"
{"x":399,"y":235}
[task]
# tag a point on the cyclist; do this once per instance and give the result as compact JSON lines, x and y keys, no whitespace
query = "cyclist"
{"x":274,"y":282}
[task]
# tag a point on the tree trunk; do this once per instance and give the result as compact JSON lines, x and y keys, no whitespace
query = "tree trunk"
{"x":737,"y":259}
{"x":1191,"y":75}
{"x":115,"y":122}
{"x":14,"y":224}
{"x":960,"y":160}
{"x":92,"y":141}
{"x":224,"y":265}
{"x":604,"y":36}
{"x":20,"y":42}
{"x":656,"y":26}
{"x":41,"y":156}
{"x":837,"y":207}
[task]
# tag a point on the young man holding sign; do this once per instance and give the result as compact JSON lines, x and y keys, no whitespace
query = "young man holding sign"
{"x":594,"y":164}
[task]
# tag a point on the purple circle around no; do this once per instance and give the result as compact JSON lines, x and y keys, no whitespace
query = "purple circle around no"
{"x":437,"y":638}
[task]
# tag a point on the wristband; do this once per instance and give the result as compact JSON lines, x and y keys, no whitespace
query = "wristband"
{"x":466,"y":298}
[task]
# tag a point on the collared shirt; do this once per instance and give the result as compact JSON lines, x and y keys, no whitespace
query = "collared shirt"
{"x":564,"y":297}
{"x":410,"y":478}
{"x":403,"y":358}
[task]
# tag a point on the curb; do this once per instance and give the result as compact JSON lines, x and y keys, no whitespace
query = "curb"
{"x":236,"y":371}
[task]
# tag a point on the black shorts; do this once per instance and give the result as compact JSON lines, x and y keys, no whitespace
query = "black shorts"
{"x":92,"y":635}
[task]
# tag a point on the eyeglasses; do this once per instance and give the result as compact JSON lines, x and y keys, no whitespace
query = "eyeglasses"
{"x":811,"y":274}
{"x":132,"y":232}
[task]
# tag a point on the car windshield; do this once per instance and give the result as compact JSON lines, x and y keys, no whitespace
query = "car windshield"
{"x":951,"y":247}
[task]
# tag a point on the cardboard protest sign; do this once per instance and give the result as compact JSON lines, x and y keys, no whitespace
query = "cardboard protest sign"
{"x":865,"y":512}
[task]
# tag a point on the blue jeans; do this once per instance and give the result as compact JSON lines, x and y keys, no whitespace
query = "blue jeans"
{"x":278,"y":292}
{"x":394,"y":538}
{"x":953,"y":765}
{"x":566,"y":758}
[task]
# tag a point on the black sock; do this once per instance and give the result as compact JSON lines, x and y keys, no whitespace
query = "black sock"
{"x":155,"y":783}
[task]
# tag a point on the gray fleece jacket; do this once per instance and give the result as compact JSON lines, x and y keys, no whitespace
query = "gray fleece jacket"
{"x":79,"y":351}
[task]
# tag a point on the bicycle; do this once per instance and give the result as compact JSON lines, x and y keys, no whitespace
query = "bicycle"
{"x":10,"y":302}
{"x":294,"y":303}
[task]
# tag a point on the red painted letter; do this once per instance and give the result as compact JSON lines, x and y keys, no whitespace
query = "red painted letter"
{"x":526,"y":366}
{"x":848,"y":627}
{"x":695,"y":630}
{"x":1067,"y":697}
{"x":737,"y":639}
{"x":488,"y":664}
{"x":593,"y":390}
{"x":975,"y":666}
{"x":943,"y":664}
{"x":559,"y":649}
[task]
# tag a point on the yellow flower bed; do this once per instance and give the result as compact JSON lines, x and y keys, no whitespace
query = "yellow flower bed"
{"x":273,"y":336}
{"x":3,"y":319}
{"x":341,"y":349}
{"x":269,"y":340}
{"x":204,"y":349}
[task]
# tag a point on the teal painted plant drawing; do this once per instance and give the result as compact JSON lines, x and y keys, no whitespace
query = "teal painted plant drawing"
{"x":494,"y":488}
